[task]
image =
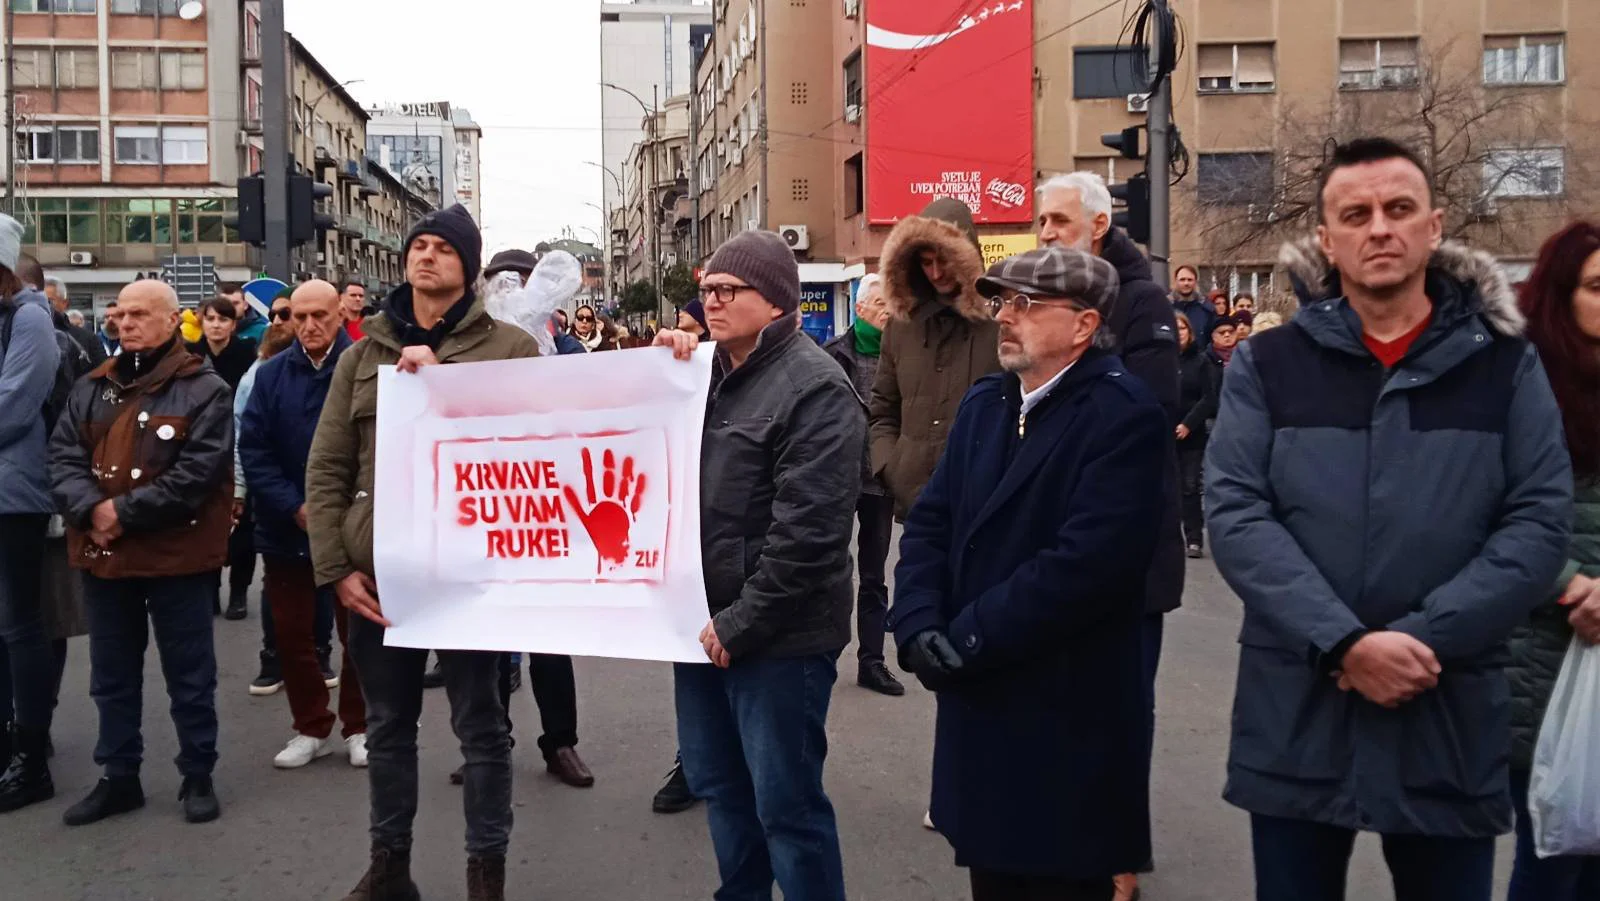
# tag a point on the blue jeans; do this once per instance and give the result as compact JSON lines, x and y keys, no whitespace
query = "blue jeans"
{"x":753,"y":739}
{"x":1553,"y":878}
{"x":1298,"y":860}
{"x":27,"y":657}
{"x":121,"y":614}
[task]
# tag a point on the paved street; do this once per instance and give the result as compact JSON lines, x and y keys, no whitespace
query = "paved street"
{"x":302,"y":834}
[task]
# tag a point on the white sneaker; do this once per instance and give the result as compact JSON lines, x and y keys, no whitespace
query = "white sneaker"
{"x":927,"y":820}
{"x":356,"y":747}
{"x":301,"y":750}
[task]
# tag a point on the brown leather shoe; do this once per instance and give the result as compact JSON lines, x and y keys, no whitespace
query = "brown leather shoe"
{"x":566,"y":765}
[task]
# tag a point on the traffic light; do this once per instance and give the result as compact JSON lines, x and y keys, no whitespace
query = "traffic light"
{"x":251,"y":222}
{"x":304,"y":220}
{"x":1135,"y":220}
{"x":1125,"y":142}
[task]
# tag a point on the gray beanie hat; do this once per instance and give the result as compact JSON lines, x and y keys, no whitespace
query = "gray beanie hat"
{"x":10,"y":242}
{"x":764,"y":261}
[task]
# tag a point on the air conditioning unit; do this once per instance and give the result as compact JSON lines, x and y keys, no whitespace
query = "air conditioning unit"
{"x":738,"y":155}
{"x":1138,"y":103}
{"x":852,"y":112}
{"x":81,"y":258}
{"x":753,"y":225}
{"x":1485,"y":208}
{"x":798,"y":237}
{"x":852,"y":8}
{"x":727,"y":211}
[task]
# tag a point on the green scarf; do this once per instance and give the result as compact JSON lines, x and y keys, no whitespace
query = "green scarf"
{"x":869,"y":338}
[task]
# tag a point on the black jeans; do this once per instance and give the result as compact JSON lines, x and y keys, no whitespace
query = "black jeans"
{"x":875,"y":513}
{"x":1191,"y":474}
{"x":392,"y":680}
{"x":988,"y":885}
{"x":1297,"y":860}
{"x":121,"y":615}
{"x":555,"y":690}
{"x":27,"y":659}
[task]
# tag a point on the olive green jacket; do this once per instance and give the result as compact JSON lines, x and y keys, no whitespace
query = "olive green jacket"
{"x":340,"y":472}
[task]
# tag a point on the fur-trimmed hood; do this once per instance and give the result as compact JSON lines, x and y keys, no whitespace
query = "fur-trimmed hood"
{"x":904,"y":285}
{"x":1475,"y":270}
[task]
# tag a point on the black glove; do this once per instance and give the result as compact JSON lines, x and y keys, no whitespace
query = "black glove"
{"x":932,"y":659}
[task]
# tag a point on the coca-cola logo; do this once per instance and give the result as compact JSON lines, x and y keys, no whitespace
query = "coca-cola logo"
{"x":1007,"y":194}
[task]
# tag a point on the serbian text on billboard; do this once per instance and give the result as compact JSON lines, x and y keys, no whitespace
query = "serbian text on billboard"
{"x":949,"y":104}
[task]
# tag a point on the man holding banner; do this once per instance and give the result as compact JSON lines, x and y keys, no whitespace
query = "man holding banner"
{"x":433,"y":318}
{"x":780,"y":471}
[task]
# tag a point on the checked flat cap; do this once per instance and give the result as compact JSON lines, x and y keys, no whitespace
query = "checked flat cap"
{"x":1055,"y":272}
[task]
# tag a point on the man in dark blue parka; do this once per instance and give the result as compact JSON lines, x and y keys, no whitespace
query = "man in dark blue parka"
{"x":1020,"y":592}
{"x":1388,"y":492}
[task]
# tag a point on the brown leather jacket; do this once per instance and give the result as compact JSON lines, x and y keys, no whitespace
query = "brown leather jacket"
{"x":160,"y":445}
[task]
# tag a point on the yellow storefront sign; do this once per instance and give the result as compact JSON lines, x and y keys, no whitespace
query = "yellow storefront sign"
{"x":998,"y":247}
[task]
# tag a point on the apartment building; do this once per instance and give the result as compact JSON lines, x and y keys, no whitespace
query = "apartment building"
{"x":1264,"y":82}
{"x":126,"y":152}
{"x":434,"y":148}
{"x":646,"y":57}
{"x":655,"y":181}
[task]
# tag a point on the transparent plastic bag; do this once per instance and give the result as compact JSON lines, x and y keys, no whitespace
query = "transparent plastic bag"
{"x":1564,"y":791}
{"x":555,"y":280}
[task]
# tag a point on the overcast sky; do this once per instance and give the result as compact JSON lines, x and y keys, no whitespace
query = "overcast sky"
{"x":529,"y":72}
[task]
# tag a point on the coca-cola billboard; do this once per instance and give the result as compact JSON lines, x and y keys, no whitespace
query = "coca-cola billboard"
{"x":949,"y":107}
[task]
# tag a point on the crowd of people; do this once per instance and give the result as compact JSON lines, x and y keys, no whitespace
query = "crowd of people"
{"x":1399,"y":483}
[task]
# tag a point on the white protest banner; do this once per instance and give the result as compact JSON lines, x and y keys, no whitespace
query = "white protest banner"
{"x":549,"y":505}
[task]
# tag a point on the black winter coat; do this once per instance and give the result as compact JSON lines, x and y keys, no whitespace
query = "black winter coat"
{"x":1029,"y":552}
{"x":234,"y":361}
{"x":1146,"y":332}
{"x":780,"y":474}
{"x":1200,"y":384}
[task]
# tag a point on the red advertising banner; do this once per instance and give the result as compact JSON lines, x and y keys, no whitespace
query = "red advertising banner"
{"x":949,"y":104}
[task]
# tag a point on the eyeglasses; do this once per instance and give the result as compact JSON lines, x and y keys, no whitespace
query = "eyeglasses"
{"x":724,"y":294}
{"x":585,"y":318}
{"x":282,"y":315}
{"x":1021,"y":302}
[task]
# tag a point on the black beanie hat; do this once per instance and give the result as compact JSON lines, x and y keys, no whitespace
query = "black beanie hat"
{"x":456,"y":227}
{"x":763,"y":261}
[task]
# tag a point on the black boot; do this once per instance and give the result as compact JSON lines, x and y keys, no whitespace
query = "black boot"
{"x":111,"y":796}
{"x":238,"y":607}
{"x":674,"y":796}
{"x":388,"y":878}
{"x":199,"y":799}
{"x":875,"y":676}
{"x":27,"y":779}
{"x":486,"y":878}
{"x":271,"y":678}
{"x":5,"y":741}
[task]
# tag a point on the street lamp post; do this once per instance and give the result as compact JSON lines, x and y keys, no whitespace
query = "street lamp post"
{"x":652,"y":243}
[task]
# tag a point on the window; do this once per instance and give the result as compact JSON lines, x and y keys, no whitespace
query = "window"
{"x":183,"y":146}
{"x":852,"y":86}
{"x":133,"y":70}
{"x":252,"y":101}
{"x":252,"y":34}
{"x":1235,"y":178}
{"x":1236,"y":68}
{"x":78,"y":68}
{"x":183,"y":70}
{"x":62,"y":221}
{"x":1254,"y":281}
{"x":322,"y":133}
{"x":1525,"y":59}
{"x":32,"y":68}
{"x":854,"y":196}
{"x":200,"y":221}
{"x":58,"y":6}
{"x":1373,"y":65}
{"x":139,"y":221}
{"x":37,"y":145}
{"x":78,"y":145}
{"x":1538,"y":172}
{"x":1109,"y":72}
{"x":145,"y":7}
{"x":137,"y":144}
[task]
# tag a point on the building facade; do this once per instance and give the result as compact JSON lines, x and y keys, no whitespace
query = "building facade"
{"x":432,"y":146}
{"x":646,"y":50}
{"x":656,"y":181}
{"x":126,"y":150}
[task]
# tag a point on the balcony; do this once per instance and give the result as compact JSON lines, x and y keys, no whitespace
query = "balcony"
{"x":353,"y":226}
{"x":373,"y":235}
{"x":350,"y":171}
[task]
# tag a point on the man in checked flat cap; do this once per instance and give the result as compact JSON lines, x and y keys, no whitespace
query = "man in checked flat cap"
{"x":1020,"y":590}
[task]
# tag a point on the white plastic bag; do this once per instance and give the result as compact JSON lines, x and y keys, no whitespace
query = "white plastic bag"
{"x":1564,"y":791}
{"x":555,"y":280}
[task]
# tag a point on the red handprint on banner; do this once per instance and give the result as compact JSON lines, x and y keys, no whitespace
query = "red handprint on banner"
{"x":610,"y":517}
